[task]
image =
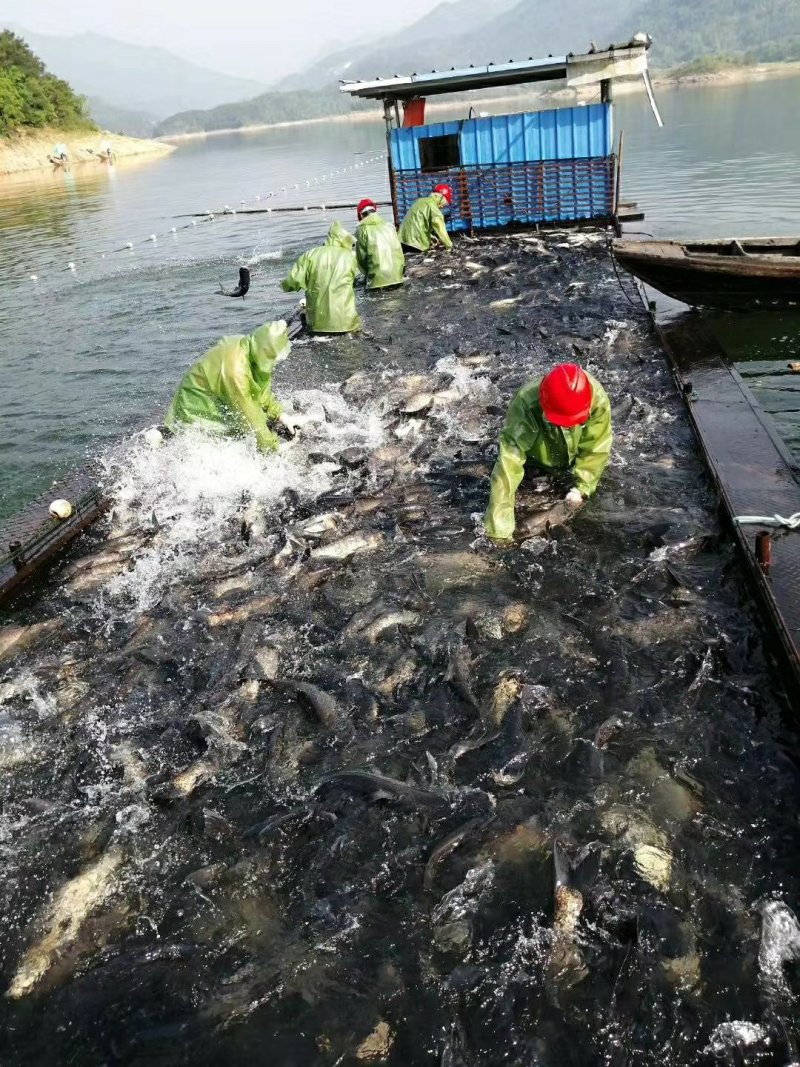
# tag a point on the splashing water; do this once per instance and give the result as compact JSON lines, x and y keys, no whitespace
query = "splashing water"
{"x":197,"y":485}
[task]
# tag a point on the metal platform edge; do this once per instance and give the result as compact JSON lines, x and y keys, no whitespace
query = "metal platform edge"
{"x":32,"y":538}
{"x":777,"y":600}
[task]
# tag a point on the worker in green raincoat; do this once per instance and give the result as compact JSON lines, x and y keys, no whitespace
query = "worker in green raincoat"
{"x":230,"y":389}
{"x":424,"y":221}
{"x":378,"y":249}
{"x":562,"y":423}
{"x":328,"y":274}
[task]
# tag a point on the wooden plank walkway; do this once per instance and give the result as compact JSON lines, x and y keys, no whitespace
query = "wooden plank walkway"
{"x":754,"y":471}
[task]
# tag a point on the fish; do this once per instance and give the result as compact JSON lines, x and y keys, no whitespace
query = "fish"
{"x":242,"y":288}
{"x":419,"y":404}
{"x":506,"y":693}
{"x":64,"y":920}
{"x":566,"y":965}
{"x":547,"y":519}
{"x":449,"y":844}
{"x":347,"y":547}
{"x":391,"y":620}
{"x":381,"y":787}
{"x":328,"y":710}
{"x":257,"y":605}
{"x":15,"y":639}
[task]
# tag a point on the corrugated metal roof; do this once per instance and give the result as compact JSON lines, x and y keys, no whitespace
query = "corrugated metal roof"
{"x":617,"y":61}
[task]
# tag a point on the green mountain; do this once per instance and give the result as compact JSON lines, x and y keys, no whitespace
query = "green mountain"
{"x":682,"y":30}
{"x":128,"y":76}
{"x":470,"y":31}
{"x":30,"y":97}
{"x":267,"y":108}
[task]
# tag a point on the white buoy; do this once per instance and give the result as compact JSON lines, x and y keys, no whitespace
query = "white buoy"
{"x":323,"y":206}
{"x":174,"y":229}
{"x":70,"y":266}
{"x":242,"y":202}
{"x":258,"y":198}
{"x":34,"y":277}
{"x":152,"y":237}
{"x":60,"y":509}
{"x":129,"y":244}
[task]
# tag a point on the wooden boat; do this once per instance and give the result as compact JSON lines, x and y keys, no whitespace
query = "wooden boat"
{"x":763,"y":272}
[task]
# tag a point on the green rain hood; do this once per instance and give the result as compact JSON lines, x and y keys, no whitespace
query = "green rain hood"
{"x":527,"y":435}
{"x":230,"y":388}
{"x":328,"y":274}
{"x":379,"y":253}
{"x":423,"y":222}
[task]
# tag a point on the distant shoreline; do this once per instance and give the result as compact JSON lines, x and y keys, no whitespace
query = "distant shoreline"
{"x":27,"y":152}
{"x":733,"y":75}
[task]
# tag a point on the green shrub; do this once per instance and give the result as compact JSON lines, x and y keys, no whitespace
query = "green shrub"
{"x":32,"y":98}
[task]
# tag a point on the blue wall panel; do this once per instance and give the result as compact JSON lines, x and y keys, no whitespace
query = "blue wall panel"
{"x":565,"y":133}
{"x":539,"y":166}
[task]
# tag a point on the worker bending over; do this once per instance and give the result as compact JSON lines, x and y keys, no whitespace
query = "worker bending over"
{"x":230,"y":389}
{"x":424,"y":221}
{"x":561,"y":423}
{"x":328,"y":274}
{"x":378,"y":249}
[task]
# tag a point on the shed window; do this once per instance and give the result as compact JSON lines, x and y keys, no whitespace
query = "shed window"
{"x":439,"y":153}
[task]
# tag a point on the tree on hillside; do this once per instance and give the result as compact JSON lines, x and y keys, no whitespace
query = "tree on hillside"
{"x":30,"y":97}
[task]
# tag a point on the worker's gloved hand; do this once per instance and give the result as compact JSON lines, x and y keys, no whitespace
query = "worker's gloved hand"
{"x":574,"y":498}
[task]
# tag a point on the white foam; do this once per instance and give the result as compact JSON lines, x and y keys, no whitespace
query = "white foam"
{"x":197,"y":483}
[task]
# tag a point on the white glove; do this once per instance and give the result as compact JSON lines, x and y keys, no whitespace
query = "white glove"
{"x":574,"y":498}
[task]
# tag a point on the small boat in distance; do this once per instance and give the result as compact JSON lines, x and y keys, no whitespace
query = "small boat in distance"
{"x":749,"y":273}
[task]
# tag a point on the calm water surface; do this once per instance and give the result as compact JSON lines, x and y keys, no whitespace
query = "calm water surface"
{"x":97,"y":350}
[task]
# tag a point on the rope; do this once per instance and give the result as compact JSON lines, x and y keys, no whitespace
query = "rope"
{"x":791,"y":522}
{"x":634,"y":303}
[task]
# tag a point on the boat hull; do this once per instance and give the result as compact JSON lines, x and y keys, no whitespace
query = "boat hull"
{"x":717,"y":281}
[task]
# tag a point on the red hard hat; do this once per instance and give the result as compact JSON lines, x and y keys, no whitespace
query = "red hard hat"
{"x":446,"y":192}
{"x":363,"y":205}
{"x":566,"y":395}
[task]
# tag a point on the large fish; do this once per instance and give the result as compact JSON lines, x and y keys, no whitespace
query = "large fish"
{"x":242,"y":288}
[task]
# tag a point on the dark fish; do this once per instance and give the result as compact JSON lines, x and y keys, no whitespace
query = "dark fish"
{"x":327,"y":708}
{"x":547,"y":519}
{"x":381,"y":787}
{"x":242,"y":288}
{"x":447,"y":845}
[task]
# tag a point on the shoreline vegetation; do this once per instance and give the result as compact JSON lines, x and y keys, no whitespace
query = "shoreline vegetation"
{"x":710,"y":71}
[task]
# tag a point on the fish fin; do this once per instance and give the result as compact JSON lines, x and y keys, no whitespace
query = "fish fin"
{"x":580,"y":873}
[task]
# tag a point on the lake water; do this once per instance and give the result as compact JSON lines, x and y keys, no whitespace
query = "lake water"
{"x":96,"y":351}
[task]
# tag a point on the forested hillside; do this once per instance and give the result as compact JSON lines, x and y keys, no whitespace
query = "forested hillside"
{"x":682,"y":30}
{"x":265,"y":109}
{"x":32,"y":98}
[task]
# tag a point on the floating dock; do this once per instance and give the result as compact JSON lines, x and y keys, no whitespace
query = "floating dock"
{"x":754,"y":471}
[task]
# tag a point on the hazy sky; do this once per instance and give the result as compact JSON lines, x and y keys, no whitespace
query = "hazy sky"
{"x":261,"y":39}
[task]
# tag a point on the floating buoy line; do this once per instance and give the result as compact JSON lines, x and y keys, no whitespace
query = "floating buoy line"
{"x":245,"y":207}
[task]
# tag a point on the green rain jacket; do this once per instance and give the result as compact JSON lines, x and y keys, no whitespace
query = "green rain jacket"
{"x":328,"y":274}
{"x":424,"y":221}
{"x":230,"y":389}
{"x":379,"y":253}
{"x":527,"y":435}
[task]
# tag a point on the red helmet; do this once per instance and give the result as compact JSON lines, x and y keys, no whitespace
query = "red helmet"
{"x":445,"y":191}
{"x":566,"y":395}
{"x":363,"y":205}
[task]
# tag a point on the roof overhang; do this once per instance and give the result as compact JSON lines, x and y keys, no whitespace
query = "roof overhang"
{"x":623,"y":61}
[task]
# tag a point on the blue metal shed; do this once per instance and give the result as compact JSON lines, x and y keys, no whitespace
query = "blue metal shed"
{"x":550,"y":166}
{"x":540,"y":166}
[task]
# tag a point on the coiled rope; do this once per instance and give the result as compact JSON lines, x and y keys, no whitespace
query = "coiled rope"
{"x":789,"y":522}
